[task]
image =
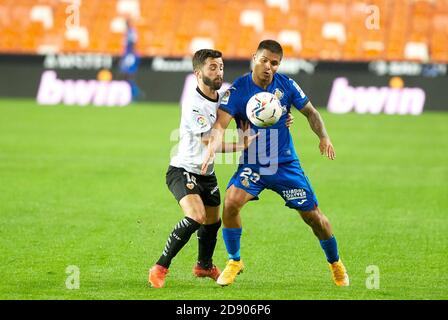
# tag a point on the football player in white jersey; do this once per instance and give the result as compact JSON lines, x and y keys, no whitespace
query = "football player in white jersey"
{"x":198,"y":195}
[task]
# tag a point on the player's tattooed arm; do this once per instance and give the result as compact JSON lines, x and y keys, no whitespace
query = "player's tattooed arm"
{"x":318,"y":126}
{"x":315,"y":120}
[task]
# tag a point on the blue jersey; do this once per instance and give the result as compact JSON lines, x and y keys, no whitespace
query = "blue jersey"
{"x":131,"y":39}
{"x":274,"y":144}
{"x":130,"y":60}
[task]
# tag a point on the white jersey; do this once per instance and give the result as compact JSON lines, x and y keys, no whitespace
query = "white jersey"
{"x":198,"y":117}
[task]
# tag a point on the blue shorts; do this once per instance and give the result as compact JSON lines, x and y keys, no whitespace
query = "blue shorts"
{"x":289,"y":181}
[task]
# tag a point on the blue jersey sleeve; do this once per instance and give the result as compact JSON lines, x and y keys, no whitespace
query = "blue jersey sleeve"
{"x":299,"y":98}
{"x":229,"y":102}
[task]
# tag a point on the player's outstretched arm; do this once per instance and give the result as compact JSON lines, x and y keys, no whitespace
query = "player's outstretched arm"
{"x":245,"y":139}
{"x":318,"y":126}
{"x":216,"y":137}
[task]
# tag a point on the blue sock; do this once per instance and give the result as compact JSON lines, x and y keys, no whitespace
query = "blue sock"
{"x":330,"y":248}
{"x":232,"y":237}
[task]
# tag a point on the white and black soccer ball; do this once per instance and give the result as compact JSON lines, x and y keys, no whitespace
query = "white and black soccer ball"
{"x":264,"y":109}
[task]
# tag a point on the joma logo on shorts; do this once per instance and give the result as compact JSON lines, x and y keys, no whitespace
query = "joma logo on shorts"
{"x":294,"y":194}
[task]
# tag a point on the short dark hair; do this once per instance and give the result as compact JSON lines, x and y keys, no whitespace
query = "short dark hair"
{"x":201,"y":55}
{"x":272,"y":46}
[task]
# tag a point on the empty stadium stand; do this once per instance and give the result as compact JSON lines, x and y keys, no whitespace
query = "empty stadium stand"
{"x":353,"y":30}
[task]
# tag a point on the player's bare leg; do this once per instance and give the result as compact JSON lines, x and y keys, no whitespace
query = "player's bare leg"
{"x":321,"y":227}
{"x":194,"y":208}
{"x":207,"y":237}
{"x":211,"y":215}
{"x":318,"y":222}
{"x":195,"y":216}
{"x":235,"y":200}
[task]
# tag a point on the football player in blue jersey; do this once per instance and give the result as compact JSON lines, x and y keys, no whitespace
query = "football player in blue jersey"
{"x":130,"y":61}
{"x":273,"y":163}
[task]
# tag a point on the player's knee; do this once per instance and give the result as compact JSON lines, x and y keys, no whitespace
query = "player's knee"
{"x":212,"y":219}
{"x":324,"y":220}
{"x":198,"y":214}
{"x":199,"y":217}
{"x":320,"y":222}
{"x":309,"y":220}
{"x":312,"y":217}
{"x":231,"y":206}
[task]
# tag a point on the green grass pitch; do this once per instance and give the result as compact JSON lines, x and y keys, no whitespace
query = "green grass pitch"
{"x":86,"y":187}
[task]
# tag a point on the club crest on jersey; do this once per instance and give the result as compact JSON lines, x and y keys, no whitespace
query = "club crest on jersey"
{"x":200,"y":120}
{"x":278,"y":93}
{"x":245,"y":182}
{"x":190,"y":186}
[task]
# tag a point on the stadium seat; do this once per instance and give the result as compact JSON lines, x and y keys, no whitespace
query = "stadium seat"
{"x":416,"y":51}
{"x":253,"y":18}
{"x":180,"y":46}
{"x":373,"y":50}
{"x":439,"y":46}
{"x":337,"y":12}
{"x":42,"y":14}
{"x":318,"y":29}
{"x":283,"y":5}
{"x":118,"y":25}
{"x":395,"y":51}
{"x":200,"y":43}
{"x":440,"y":22}
{"x":129,"y":8}
{"x":291,"y":38}
{"x":47,"y":49}
{"x":334,"y":30}
{"x":78,"y":34}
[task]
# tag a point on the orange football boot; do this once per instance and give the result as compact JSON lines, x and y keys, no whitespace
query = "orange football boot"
{"x":157,"y":276}
{"x":340,"y":276}
{"x":200,"y":272}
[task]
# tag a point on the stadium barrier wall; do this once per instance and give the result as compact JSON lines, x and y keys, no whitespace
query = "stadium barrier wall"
{"x":375,"y":87}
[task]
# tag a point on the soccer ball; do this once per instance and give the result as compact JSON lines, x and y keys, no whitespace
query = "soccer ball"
{"x":264,"y":109}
